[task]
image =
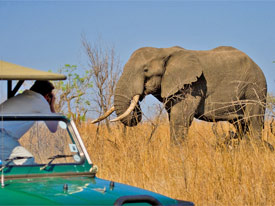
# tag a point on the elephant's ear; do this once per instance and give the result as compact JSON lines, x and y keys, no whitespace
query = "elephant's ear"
{"x":182,"y":68}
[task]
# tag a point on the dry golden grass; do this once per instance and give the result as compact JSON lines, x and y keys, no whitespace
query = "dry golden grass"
{"x":200,"y":170}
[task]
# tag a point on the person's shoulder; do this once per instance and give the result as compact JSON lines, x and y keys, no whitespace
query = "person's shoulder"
{"x":28,"y":97}
{"x":29,"y":92}
{"x":32,"y":94}
{"x":25,"y":93}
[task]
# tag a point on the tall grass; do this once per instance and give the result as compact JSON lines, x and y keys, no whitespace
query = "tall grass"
{"x":201,"y":170}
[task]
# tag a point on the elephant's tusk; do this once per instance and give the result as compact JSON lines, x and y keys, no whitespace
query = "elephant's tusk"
{"x":104,"y":116}
{"x":129,"y":110}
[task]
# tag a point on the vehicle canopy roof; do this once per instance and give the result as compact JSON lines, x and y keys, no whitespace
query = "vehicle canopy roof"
{"x":10,"y":71}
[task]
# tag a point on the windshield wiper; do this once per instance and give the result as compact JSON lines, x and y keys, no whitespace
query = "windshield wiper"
{"x":52,"y":159}
{"x":12,"y":159}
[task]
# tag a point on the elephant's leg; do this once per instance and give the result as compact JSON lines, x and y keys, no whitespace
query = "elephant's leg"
{"x":254,"y":116}
{"x":181,"y":116}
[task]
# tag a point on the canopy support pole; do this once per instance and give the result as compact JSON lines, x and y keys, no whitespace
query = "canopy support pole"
{"x":12,"y":92}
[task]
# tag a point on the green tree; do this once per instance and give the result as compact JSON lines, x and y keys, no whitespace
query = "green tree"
{"x":72,"y":94}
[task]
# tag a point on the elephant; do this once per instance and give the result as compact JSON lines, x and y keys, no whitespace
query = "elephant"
{"x":221,"y":84}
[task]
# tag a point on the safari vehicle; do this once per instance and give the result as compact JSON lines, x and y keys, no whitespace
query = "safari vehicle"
{"x":62,"y":172}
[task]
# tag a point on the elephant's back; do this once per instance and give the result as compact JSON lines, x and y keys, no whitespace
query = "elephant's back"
{"x":229,"y":64}
{"x":229,"y":73}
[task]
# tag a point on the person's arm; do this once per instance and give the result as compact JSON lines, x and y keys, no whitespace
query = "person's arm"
{"x":52,"y":125}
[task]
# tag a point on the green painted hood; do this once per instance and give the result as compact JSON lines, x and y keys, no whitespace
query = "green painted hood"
{"x":81,"y":191}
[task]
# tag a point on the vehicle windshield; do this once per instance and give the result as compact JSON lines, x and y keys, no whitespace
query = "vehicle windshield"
{"x":31,"y":142}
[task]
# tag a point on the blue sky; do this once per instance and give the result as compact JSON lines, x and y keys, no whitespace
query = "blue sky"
{"x":47,"y":34}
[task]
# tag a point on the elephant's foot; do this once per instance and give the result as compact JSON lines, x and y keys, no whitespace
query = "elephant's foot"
{"x":177,"y":141}
{"x":264,"y":145}
{"x":178,"y":136}
{"x":268,"y":146}
{"x":258,"y":142}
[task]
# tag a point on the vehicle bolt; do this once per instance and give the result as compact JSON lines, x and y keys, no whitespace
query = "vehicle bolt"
{"x":65,"y":187}
{"x":112,"y":185}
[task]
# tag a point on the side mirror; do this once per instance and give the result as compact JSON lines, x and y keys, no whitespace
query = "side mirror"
{"x":62,"y":125}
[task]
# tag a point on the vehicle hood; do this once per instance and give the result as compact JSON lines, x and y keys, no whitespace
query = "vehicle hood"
{"x":80,"y":191}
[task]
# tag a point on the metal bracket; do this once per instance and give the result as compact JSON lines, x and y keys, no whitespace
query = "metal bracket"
{"x":12,"y":92}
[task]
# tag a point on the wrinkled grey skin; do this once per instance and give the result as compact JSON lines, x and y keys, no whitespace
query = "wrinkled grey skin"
{"x":222,"y":84}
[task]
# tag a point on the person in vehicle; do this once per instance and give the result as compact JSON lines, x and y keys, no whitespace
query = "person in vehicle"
{"x":38,"y":99}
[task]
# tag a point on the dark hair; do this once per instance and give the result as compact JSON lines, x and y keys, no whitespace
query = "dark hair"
{"x":42,"y":87}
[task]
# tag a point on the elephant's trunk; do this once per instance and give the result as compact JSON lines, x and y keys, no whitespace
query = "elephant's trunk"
{"x":126,"y":89}
{"x":130,"y":109}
